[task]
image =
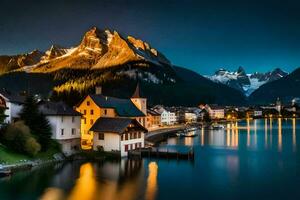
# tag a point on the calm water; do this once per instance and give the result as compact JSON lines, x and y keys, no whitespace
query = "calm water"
{"x":255,"y":159}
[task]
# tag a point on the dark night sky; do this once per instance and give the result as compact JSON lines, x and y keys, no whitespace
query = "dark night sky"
{"x":200,"y":35}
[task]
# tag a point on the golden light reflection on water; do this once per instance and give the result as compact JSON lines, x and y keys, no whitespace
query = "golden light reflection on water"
{"x":279,"y":134}
{"x":152,"y":181}
{"x":294,"y":134}
{"x":257,"y":133}
{"x":53,"y":194}
{"x":86,"y":185}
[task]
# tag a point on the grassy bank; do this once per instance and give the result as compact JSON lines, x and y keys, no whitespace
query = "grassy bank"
{"x":8,"y":157}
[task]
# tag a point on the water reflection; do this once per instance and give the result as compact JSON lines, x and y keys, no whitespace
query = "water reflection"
{"x":86,"y":184}
{"x":152,"y":181}
{"x":119,"y":180}
{"x":254,"y":134}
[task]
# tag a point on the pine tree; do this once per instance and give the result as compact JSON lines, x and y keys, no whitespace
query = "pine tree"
{"x":37,"y":122}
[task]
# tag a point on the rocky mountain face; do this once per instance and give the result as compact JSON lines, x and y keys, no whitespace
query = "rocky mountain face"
{"x":16,"y":62}
{"x":286,"y":88}
{"x":106,"y":58}
{"x":98,"y":49}
{"x":246,"y":83}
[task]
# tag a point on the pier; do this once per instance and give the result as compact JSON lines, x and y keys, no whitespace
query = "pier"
{"x":163,"y":152}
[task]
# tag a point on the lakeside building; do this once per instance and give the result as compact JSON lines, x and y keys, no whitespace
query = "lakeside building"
{"x":13,"y":103}
{"x":65,"y":125}
{"x":214,"y":111}
{"x":97,"y":109}
{"x":167,"y":117}
{"x":153,"y":119}
{"x":118,"y":135}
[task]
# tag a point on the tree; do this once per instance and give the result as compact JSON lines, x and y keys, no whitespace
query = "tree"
{"x":37,"y":122}
{"x":18,"y":138}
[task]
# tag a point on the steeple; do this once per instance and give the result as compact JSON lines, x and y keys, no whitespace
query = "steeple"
{"x":137,"y":93}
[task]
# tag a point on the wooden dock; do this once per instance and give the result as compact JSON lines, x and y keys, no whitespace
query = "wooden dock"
{"x":164,"y":153}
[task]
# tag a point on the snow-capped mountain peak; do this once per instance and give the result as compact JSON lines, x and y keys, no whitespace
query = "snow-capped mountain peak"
{"x":244,"y":82}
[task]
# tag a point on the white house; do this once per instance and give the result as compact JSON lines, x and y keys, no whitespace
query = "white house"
{"x":65,"y":124}
{"x":190,"y":117}
{"x":257,"y":113}
{"x":215,"y":111}
{"x":167,"y":117}
{"x":14,"y":104}
{"x":118,"y":134}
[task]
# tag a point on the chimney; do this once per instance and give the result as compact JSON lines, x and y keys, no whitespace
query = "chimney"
{"x":98,"y":90}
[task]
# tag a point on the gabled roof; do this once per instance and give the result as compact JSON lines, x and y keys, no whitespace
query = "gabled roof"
{"x":153,"y":112}
{"x":57,"y":109}
{"x":123,"y":107}
{"x":115,"y":125}
{"x":13,"y":97}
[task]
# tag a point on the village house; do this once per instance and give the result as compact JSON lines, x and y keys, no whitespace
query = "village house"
{"x":153,"y":119}
{"x":14,"y":104}
{"x":167,"y":117}
{"x":65,"y":125}
{"x":214,"y":111}
{"x":118,"y":134}
{"x":97,"y":106}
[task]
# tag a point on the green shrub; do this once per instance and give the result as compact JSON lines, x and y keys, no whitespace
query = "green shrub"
{"x":32,"y":147}
{"x":17,"y":137}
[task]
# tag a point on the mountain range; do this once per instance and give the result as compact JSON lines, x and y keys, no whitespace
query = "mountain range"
{"x":106,"y":58}
{"x":244,"y":82}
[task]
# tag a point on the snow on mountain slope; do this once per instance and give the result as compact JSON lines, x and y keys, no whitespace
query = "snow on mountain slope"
{"x":246,"y":83}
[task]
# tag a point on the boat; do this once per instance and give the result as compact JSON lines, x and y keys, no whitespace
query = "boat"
{"x":190,"y":134}
{"x":180,"y":134}
{"x":191,"y":129}
{"x":217,"y":127}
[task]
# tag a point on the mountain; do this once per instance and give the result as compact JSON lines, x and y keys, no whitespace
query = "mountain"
{"x":286,"y":88}
{"x":115,"y":62}
{"x":99,"y":49}
{"x":10,"y":63}
{"x":246,"y":83}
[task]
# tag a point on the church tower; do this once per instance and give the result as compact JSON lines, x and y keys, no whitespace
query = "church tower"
{"x":139,"y":102}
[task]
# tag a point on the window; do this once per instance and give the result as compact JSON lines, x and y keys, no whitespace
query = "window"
{"x":100,"y":136}
{"x":92,"y":112}
{"x":92,"y":121}
{"x":139,"y":134}
{"x":73,"y":131}
{"x":126,"y":136}
{"x":62,"y":131}
{"x":88,"y":103}
{"x":62,"y":119}
{"x":84,"y":120}
{"x":122,"y":137}
{"x":105,"y":112}
{"x":126,"y":147}
{"x":131,"y":146}
{"x":73,"y":119}
{"x":84,"y":112}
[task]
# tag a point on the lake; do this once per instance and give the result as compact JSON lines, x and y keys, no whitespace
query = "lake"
{"x":253,"y":159}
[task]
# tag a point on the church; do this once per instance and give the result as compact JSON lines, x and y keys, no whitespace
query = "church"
{"x":113,"y":124}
